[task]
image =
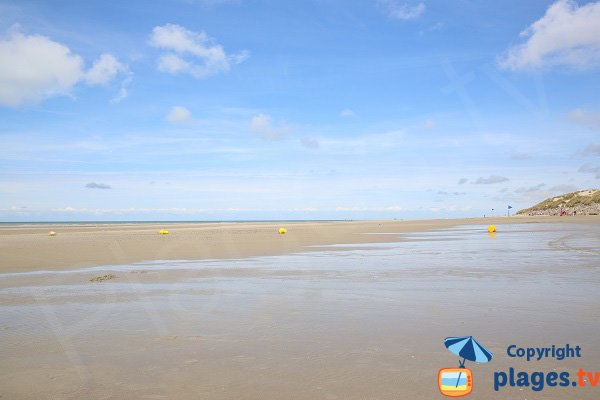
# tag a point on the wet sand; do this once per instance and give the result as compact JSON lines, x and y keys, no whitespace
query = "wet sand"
{"x":349,"y":320}
{"x":28,"y":247}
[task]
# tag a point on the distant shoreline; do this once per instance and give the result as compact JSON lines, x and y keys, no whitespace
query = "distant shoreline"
{"x":63,"y":223}
{"x":241,"y":221}
{"x":28,"y":247}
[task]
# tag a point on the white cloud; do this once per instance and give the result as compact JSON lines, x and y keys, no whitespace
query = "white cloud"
{"x":444,"y":193}
{"x":520,"y":156}
{"x":364,"y":143}
{"x":490,"y":180}
{"x":566,"y":35}
{"x":592,"y":150}
{"x":260,"y":122}
{"x":262,"y":125}
{"x":372,"y":209}
{"x":122,"y":95}
{"x":530,"y":189}
{"x":462,"y":181}
{"x":433,"y":28}
{"x":173,"y":64}
{"x":179,"y":114}
{"x":104,"y":70}
{"x":310,"y":143}
{"x":94,"y":185}
{"x":584,"y":117}
{"x":402,"y":11}
{"x":193,"y":53}
{"x":563,"y":188}
{"x":123,"y":92}
{"x":590,"y":169}
{"x":347,"y":113}
{"x":34,"y":67}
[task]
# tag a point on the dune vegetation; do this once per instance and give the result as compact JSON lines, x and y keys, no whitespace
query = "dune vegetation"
{"x":583,"y":202}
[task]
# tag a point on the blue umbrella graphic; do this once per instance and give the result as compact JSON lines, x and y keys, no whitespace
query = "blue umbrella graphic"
{"x":469,"y":349}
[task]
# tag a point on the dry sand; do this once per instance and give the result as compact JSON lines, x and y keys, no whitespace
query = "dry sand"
{"x":28,"y":247}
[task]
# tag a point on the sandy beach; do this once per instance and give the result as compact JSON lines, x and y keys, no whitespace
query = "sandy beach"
{"x":331,"y":310}
{"x":299,"y":200}
{"x":28,"y":247}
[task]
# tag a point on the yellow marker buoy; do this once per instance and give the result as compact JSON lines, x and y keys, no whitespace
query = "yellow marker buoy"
{"x":51,"y":233}
{"x":163,"y":232}
{"x":491,"y":228}
{"x":282,"y":231}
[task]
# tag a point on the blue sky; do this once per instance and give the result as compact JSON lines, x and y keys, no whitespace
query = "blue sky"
{"x":216,"y":109}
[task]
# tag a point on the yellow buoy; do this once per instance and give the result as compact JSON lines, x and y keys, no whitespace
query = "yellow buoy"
{"x":491,"y":228}
{"x":282,"y":231}
{"x":51,"y":233}
{"x":163,"y":232}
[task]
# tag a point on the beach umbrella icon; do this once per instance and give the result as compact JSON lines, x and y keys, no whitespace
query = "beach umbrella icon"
{"x":469,"y":349}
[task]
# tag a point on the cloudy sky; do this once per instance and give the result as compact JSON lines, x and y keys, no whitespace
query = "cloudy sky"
{"x":274,"y":109}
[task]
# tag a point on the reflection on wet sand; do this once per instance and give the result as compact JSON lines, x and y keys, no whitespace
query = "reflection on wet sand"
{"x":340,"y":322}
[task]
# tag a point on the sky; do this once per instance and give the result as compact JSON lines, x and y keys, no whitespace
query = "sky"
{"x":299,"y":109}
